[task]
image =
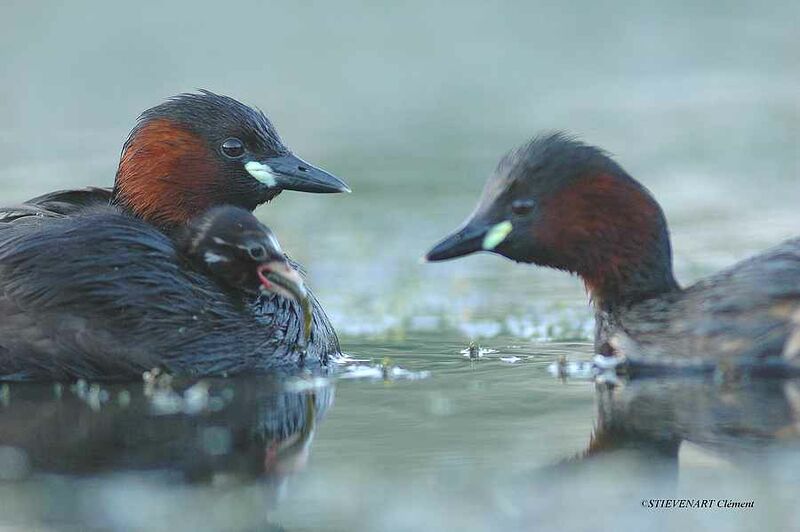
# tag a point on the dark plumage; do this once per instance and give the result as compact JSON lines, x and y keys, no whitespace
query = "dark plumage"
{"x":560,"y":203}
{"x":66,"y":312}
{"x":233,"y":246}
{"x":92,"y":285}
{"x":216,"y":117}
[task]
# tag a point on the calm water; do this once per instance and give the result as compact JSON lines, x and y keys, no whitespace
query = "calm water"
{"x":477,"y":445}
{"x":413,"y":105}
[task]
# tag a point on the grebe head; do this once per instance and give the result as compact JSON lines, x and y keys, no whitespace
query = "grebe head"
{"x":560,"y":203}
{"x":241,"y":252}
{"x":195,"y":151}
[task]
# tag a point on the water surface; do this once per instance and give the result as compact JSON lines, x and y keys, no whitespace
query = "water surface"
{"x":477,"y":445}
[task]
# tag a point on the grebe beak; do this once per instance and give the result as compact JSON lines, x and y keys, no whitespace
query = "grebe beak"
{"x":475,"y":236}
{"x":278,"y":277}
{"x":290,"y":172}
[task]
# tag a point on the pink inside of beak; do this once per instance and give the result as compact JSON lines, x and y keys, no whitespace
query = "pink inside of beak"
{"x":262,"y":270}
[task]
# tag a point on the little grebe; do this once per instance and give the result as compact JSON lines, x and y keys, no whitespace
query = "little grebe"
{"x":244,"y":254}
{"x":188,"y":154}
{"x":560,"y":203}
{"x":184,"y":156}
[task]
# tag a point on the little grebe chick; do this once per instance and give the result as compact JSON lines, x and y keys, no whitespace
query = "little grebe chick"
{"x":560,"y":203}
{"x":245,"y":256}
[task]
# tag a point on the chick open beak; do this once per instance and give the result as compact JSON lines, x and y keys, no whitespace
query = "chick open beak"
{"x":279,"y":277}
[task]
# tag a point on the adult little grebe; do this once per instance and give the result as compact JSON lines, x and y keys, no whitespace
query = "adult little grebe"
{"x":113,"y":315}
{"x":560,"y":203}
{"x":189,"y":154}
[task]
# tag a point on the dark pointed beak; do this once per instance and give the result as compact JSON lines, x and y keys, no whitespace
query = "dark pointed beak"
{"x":475,"y":236}
{"x":290,"y":172}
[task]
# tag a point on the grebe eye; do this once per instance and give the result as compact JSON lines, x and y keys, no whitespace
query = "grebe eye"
{"x":233,"y":148}
{"x":522,"y":207}
{"x":257,"y":252}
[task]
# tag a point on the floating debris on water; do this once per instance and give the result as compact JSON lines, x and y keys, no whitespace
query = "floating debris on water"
{"x":386,"y":367}
{"x":606,"y":369}
{"x":607,"y":363}
{"x":474,"y":351}
{"x":93,"y":394}
{"x":600,"y":369}
{"x":155,"y":378}
{"x":562,"y":324}
{"x":95,"y":397}
{"x":164,"y":400}
{"x":79,"y":388}
{"x":510,"y":360}
{"x":196,"y":398}
{"x":558,"y":324}
{"x":563,"y":368}
{"x":386,"y":372}
{"x":344,"y":358}
{"x":362,"y":372}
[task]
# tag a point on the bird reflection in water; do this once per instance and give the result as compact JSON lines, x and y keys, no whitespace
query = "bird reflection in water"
{"x":211,"y":431}
{"x":654,"y":427}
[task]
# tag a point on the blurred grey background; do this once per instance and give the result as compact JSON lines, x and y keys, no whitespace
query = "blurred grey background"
{"x":413,"y":103}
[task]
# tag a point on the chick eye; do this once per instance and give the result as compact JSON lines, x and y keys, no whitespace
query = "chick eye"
{"x":233,"y":148}
{"x":257,"y":252}
{"x":522,"y":207}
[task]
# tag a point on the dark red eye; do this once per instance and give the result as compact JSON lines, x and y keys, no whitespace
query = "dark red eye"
{"x":522,"y":207}
{"x":233,"y":148}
